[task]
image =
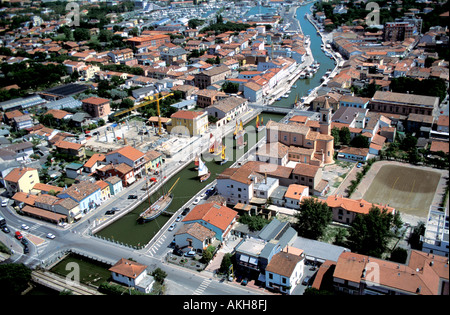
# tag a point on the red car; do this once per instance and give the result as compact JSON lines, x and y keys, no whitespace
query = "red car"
{"x":19,"y":235}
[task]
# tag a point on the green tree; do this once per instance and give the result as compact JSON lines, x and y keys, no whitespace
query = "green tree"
{"x":344,"y":135}
{"x":313,"y":218}
{"x":360,"y":141}
{"x":335,"y":135}
{"x":370,"y":233}
{"x":80,"y":34}
{"x":226,"y":263}
{"x":14,"y":279}
{"x":159,"y":275}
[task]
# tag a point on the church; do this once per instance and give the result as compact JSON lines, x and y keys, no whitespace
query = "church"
{"x":308,"y":142}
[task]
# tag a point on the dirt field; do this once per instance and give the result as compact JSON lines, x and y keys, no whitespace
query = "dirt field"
{"x":409,"y":190}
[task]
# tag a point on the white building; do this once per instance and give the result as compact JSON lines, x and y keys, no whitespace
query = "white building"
{"x":285,"y":270}
{"x":132,"y":274}
{"x":435,"y":239}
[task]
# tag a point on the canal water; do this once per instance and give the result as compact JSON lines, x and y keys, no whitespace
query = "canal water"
{"x":326,"y":63}
{"x":128,"y":231}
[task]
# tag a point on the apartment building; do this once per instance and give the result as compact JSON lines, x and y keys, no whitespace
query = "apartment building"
{"x":189,"y":123}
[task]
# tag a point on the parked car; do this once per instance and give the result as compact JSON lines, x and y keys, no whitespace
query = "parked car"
{"x":178,"y":219}
{"x":4,"y":202}
{"x":50,"y":236}
{"x":185,"y":211}
{"x":358,"y":165}
{"x":197,"y":200}
{"x":26,"y":250}
{"x":5,"y":229}
{"x":172,"y":227}
{"x":306,"y":280}
{"x":132,"y":197}
{"x":110,"y":212}
{"x":18,"y":235}
{"x":190,"y":254}
{"x":24,"y":241}
{"x":244,"y":281}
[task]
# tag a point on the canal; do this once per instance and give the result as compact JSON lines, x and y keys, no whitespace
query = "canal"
{"x":128,"y":231}
{"x":304,"y":85}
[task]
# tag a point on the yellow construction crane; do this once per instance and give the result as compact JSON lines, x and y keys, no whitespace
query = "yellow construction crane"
{"x":148,"y":101}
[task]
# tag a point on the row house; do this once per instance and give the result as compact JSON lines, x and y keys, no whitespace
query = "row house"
{"x":122,"y":171}
{"x":85,"y":193}
{"x":227,"y":109}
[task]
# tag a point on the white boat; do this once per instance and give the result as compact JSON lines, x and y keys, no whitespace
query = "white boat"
{"x":203,"y":171}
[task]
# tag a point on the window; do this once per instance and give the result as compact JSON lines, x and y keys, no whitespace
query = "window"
{"x":270,"y":275}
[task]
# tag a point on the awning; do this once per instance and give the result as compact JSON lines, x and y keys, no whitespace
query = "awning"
{"x":253,"y":261}
{"x":131,"y":180}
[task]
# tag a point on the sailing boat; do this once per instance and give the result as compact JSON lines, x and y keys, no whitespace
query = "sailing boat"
{"x":236,"y":130}
{"x":224,"y":157}
{"x":158,"y":207}
{"x":215,"y":146}
{"x":203,"y":171}
{"x":211,"y":143}
{"x":196,"y":162}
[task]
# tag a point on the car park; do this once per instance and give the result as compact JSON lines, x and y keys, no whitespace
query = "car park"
{"x":172,"y":227}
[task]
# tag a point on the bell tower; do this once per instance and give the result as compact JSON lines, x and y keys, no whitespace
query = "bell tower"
{"x":325,"y":118}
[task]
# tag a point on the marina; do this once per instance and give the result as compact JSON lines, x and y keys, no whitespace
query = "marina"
{"x":190,"y":184}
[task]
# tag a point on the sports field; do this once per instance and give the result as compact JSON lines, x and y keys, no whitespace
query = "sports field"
{"x":407,"y":189}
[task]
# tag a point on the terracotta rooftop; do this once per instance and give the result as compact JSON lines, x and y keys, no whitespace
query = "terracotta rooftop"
{"x":128,"y":268}
{"x":213,"y":213}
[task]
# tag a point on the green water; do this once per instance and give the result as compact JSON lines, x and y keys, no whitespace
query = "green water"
{"x":127,"y":230}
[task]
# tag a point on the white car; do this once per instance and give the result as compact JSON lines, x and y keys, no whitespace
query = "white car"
{"x":4,"y":202}
{"x":24,"y":227}
{"x":197,"y":200}
{"x":50,"y":236}
{"x":172,"y":227}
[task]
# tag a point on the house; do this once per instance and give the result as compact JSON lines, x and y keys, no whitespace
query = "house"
{"x":94,"y":162}
{"x":424,"y":274}
{"x":154,"y":161}
{"x":213,"y":216}
{"x":254,"y":254}
{"x":22,"y":122}
{"x":345,"y":210}
{"x":65,"y":206}
{"x":190,"y":123}
{"x":131,"y":157}
{"x":41,"y":188}
{"x":132,"y":274}
{"x":207,"y":97}
{"x":17,"y":151}
{"x":227,"y":109}
{"x":208,"y":77}
{"x":85,"y":193}
{"x":115,"y":184}
{"x":71,"y":148}
{"x":105,"y":190}
{"x":96,"y":107}
{"x":294,"y":195}
{"x":73,"y":170}
{"x":21,"y":179}
{"x":354,"y":154}
{"x":123,"y":171}
{"x":285,"y":270}
{"x":194,"y":236}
